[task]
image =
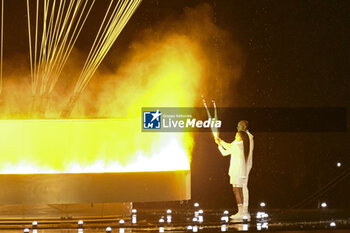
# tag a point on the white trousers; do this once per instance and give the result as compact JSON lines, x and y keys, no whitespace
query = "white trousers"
{"x":245,"y":195}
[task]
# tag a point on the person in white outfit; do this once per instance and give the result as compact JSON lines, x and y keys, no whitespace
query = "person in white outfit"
{"x":240,"y":166}
{"x":243,"y":126}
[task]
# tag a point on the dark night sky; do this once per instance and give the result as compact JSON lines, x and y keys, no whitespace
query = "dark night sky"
{"x":297,"y":55}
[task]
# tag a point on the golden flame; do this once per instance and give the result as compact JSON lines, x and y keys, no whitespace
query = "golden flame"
{"x":165,"y":74}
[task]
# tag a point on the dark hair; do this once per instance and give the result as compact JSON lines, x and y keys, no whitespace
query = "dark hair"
{"x":245,"y":123}
{"x":246,"y":143}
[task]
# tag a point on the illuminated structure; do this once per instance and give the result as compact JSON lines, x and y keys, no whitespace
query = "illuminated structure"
{"x":91,"y":160}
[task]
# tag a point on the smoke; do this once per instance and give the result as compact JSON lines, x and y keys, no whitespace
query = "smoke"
{"x":170,"y":64}
{"x":15,"y":100}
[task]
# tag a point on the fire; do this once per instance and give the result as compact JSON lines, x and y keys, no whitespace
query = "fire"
{"x":165,"y":74}
{"x":93,"y":145}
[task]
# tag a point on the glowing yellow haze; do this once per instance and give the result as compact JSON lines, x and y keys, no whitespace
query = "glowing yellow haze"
{"x":166,"y":74}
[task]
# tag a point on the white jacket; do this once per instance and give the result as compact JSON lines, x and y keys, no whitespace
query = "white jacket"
{"x":238,"y":167}
{"x":236,"y":149}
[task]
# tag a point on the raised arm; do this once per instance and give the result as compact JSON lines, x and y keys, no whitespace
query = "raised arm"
{"x":224,"y":147}
{"x":223,"y":151}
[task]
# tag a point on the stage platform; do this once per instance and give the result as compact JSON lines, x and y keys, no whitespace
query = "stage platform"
{"x":182,"y":220}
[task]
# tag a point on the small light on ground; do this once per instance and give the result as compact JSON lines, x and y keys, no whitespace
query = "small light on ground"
{"x":265,"y":225}
{"x":200,"y":218}
{"x":259,"y":215}
{"x":133,"y":219}
{"x":223,"y":228}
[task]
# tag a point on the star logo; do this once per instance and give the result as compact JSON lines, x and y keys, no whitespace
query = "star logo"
{"x":152,"y":120}
{"x":156,"y":116}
